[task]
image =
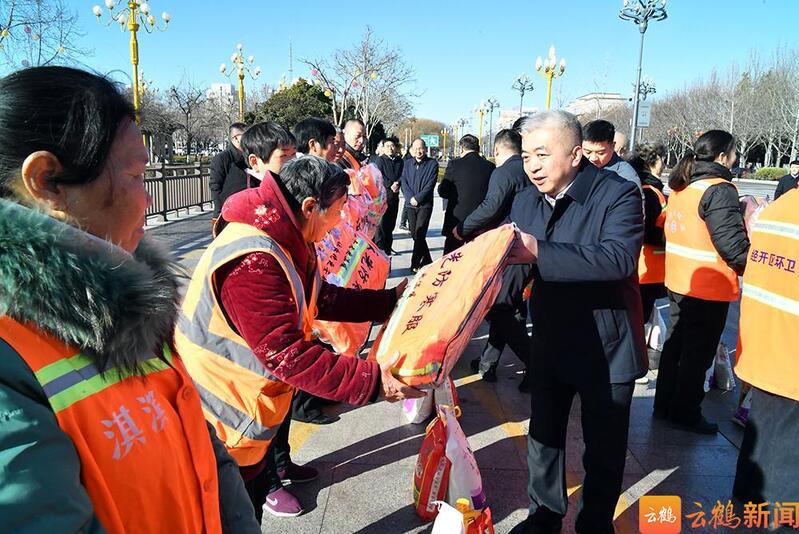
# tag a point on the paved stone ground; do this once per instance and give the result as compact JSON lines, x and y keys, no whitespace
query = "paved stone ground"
{"x":366,"y":458}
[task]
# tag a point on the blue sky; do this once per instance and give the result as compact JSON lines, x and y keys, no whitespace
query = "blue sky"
{"x":462,"y":51}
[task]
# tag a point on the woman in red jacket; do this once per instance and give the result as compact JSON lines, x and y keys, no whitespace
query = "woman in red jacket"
{"x":248,"y":310}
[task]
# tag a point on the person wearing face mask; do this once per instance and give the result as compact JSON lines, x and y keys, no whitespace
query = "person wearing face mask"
{"x":355,"y":140}
{"x":706,"y":249}
{"x":247,"y":322}
{"x":102,"y":428}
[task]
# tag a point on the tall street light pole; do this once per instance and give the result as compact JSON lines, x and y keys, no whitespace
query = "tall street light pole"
{"x":491,"y":105}
{"x":242,"y":68}
{"x":522,"y":84}
{"x":549,"y":69}
{"x":131,"y":18}
{"x":481,"y":112}
{"x":641,"y":12}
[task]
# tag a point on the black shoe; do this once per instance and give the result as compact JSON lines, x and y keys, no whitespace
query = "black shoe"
{"x":528,"y":527}
{"x":702,"y":426}
{"x":475,"y":365}
{"x":489,"y":376}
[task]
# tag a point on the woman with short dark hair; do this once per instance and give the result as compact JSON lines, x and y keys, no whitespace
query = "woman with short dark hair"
{"x":102,"y":427}
{"x":248,"y":317}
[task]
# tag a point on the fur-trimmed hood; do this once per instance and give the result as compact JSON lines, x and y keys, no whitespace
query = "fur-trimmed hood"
{"x":117,"y":308}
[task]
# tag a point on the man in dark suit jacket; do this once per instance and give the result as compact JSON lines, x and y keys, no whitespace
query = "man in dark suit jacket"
{"x":418,"y":181}
{"x":464,"y":187}
{"x":390,"y":165}
{"x":789,"y":181}
{"x":507,"y":318}
{"x":228,"y":169}
{"x":581,"y":232}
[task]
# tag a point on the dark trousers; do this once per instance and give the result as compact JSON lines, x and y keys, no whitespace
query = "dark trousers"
{"x":605,"y":421}
{"x":404,"y":218}
{"x":278,"y":457}
{"x":767,"y":462}
{"x":506,"y":325}
{"x":305,"y":406}
{"x":649,"y":294}
{"x":418,"y":221}
{"x":384,"y":235}
{"x":451,"y":243}
{"x":695,"y":328}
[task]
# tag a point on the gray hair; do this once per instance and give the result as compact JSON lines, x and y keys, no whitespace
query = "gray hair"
{"x":310,"y":176}
{"x":564,"y":122}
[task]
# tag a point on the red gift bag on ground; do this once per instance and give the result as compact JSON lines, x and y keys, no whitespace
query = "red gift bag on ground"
{"x":349,"y":259}
{"x":431,"y":474}
{"x":442,"y":307}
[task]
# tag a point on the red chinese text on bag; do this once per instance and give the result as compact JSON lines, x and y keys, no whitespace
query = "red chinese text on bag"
{"x":431,"y":474}
{"x":442,"y":307}
{"x":349,"y":259}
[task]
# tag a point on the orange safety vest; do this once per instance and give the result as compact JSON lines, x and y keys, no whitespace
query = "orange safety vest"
{"x":769,"y":324}
{"x":693,"y":265}
{"x":354,"y":163}
{"x":146,"y":459}
{"x":652,"y":263}
{"x":240,"y":397}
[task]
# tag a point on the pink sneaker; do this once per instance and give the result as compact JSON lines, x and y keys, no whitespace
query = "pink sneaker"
{"x":281,"y":503}
{"x":297,"y":474}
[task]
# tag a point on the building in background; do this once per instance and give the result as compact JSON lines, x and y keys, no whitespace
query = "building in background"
{"x":594,"y":105}
{"x":508,"y":116}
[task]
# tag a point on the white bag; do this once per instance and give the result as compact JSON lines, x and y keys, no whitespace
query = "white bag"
{"x":655,"y":330}
{"x":464,"y":475}
{"x":722,"y":369}
{"x":448,"y":521}
{"x":417,"y":411}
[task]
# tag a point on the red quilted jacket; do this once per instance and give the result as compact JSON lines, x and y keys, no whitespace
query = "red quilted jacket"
{"x":256,"y":296}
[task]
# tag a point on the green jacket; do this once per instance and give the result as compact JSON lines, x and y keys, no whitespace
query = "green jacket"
{"x":112,"y":306}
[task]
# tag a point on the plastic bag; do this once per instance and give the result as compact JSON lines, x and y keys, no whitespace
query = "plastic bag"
{"x":452,"y":521}
{"x":366,"y":200}
{"x":439,"y":312}
{"x":464,"y":475}
{"x":751,"y":207}
{"x":741,"y":415}
{"x":416,"y":411}
{"x":431,"y":474}
{"x":448,"y":521}
{"x":723,"y":376}
{"x":655,"y":330}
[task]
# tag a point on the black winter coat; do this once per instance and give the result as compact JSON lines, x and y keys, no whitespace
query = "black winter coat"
{"x":585,"y":303}
{"x":228,"y":176}
{"x":653,"y":234}
{"x":721,"y":211}
{"x":391,"y":169}
{"x":785,"y":184}
{"x":506,"y":180}
{"x":464,"y":186}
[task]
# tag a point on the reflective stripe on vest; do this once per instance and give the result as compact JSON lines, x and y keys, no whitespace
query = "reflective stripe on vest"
{"x":136,"y":438}
{"x":652,"y":261}
{"x":769,"y":318}
{"x":693,"y":265}
{"x":70,"y":380}
{"x":244,"y":401}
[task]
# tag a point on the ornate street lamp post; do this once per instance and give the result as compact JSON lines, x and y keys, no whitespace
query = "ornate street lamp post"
{"x":136,"y":15}
{"x":523,"y":84}
{"x":641,"y":12}
{"x":491,"y":105}
{"x":242,"y":68}
{"x":549,"y":69}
